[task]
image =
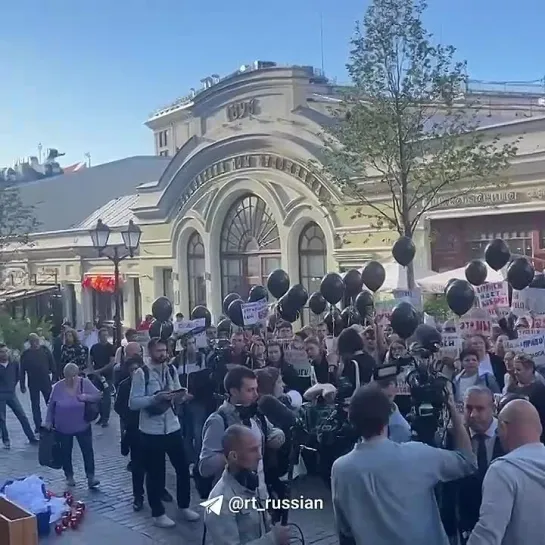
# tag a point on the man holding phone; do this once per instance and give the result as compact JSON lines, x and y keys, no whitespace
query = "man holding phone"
{"x":155,"y":390}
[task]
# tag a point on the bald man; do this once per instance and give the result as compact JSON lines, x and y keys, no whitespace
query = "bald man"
{"x":124,"y":353}
{"x":512,"y":510}
{"x":248,"y":526}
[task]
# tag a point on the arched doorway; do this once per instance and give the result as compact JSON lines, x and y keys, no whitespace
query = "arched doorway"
{"x":250,"y":246}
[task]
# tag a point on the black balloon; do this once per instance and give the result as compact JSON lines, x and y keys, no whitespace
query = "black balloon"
{"x":200,"y":312}
{"x":364,"y":304}
{"x":497,"y":254}
{"x":404,"y":319}
{"x":161,"y":309}
{"x":297,"y":296}
{"x":278,"y":283}
{"x":161,"y":329}
{"x":287,"y":309}
{"x":538,"y":281}
{"x":352,"y":282}
{"x":476,"y":272}
{"x":520,"y":273}
{"x":373,"y":275}
{"x":228,"y":299}
{"x":334,"y":322}
{"x":317,"y":303}
{"x":224,"y":326}
{"x":350,"y":316}
{"x":404,"y":250}
{"x":332,"y":288}
{"x":234,"y":312}
{"x":449,"y":284}
{"x":460,"y":297}
{"x":258,"y":293}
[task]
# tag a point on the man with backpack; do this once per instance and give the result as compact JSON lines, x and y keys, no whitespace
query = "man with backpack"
{"x":240,"y":408}
{"x":155,"y":389}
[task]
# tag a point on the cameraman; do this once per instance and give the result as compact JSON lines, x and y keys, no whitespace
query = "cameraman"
{"x":383,"y":492}
{"x":240,"y":408}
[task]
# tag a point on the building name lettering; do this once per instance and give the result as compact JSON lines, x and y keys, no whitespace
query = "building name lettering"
{"x":490,"y":199}
{"x":256,"y":161}
{"x":240,"y":110}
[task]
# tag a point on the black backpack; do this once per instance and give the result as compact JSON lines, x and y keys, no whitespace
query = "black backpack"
{"x":204,"y":485}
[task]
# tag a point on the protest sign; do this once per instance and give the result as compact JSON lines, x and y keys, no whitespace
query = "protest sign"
{"x":383,"y":311}
{"x":534,"y":347}
{"x":493,"y":297}
{"x":477,"y":321}
{"x":412,"y":296}
{"x":299,"y":360}
{"x":451,"y":345}
{"x":183,"y":327}
{"x":255,"y":313}
{"x":528,"y":300}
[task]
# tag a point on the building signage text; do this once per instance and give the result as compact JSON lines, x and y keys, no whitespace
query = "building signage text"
{"x":491,"y":198}
{"x":256,"y":161}
{"x":240,"y":110}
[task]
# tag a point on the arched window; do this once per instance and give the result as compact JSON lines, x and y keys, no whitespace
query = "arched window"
{"x":250,"y":246}
{"x":195,"y":271}
{"x":312,"y":263}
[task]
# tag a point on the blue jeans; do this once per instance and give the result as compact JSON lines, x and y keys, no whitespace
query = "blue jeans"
{"x":194,"y":415}
{"x":12,"y":401}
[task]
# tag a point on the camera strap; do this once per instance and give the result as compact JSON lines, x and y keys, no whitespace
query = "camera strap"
{"x":357,"y":374}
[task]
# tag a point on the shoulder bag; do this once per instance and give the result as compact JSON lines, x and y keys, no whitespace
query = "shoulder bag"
{"x":92,"y":408}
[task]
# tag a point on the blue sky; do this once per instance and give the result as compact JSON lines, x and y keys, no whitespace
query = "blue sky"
{"x":83,"y":76}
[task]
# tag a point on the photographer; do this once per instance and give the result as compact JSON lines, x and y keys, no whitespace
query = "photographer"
{"x":383,"y":492}
{"x":240,"y":408}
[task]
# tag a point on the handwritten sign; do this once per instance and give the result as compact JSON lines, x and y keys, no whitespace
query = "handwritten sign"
{"x":493,"y":297}
{"x":255,"y":313}
{"x":529,"y":300}
{"x":299,"y":360}
{"x":184,"y":327}
{"x":451,"y":345}
{"x":412,"y":296}
{"x":383,"y":311}
{"x":532,"y":345}
{"x":474,"y":323}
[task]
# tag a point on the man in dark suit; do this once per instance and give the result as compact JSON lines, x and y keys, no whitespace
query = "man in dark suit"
{"x":462,"y":498}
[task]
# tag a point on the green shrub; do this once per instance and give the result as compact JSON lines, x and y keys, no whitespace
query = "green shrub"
{"x":14,"y":332}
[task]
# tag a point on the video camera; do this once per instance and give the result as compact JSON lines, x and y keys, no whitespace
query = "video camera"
{"x":428,"y":386}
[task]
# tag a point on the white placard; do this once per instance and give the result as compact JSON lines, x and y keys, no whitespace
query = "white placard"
{"x":528,"y":300}
{"x":187,"y":326}
{"x":493,"y":297}
{"x":475,"y":322}
{"x":451,"y":345}
{"x":411,"y":296}
{"x":255,"y":313}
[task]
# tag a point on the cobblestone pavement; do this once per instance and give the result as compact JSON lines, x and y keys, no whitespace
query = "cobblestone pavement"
{"x":110,"y":518}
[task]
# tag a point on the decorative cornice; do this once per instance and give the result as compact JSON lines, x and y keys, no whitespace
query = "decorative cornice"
{"x":256,"y":161}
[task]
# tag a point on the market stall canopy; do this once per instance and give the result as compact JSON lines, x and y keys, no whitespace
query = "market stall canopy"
{"x":396,"y":275}
{"x":437,"y":282}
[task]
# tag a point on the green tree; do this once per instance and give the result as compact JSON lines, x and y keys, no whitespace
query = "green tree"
{"x":405,"y":139}
{"x":17,"y":220}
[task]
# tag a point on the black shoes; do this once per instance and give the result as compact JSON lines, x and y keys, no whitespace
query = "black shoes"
{"x":138,"y":504}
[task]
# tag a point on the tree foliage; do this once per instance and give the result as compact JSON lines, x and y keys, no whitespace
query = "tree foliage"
{"x":406,"y":138}
{"x":17,"y":220}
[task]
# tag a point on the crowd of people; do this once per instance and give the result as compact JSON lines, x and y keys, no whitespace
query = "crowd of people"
{"x":194,"y":398}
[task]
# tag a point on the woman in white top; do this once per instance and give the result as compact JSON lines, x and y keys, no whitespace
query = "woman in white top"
{"x":471,"y":375}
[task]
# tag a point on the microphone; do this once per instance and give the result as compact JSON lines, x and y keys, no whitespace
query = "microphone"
{"x":276,"y":412}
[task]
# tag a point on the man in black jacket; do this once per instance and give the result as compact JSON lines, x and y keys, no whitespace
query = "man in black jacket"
{"x":9,"y":377}
{"x":462,"y":498}
{"x":130,"y":434}
{"x":37,"y":363}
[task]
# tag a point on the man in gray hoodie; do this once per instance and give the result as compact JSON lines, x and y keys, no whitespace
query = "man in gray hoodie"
{"x":514,"y":485}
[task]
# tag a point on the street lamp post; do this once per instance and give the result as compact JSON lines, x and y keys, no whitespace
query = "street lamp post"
{"x":116,"y":253}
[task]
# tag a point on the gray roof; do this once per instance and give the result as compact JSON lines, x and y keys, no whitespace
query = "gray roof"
{"x":115,"y":213}
{"x":64,"y":202}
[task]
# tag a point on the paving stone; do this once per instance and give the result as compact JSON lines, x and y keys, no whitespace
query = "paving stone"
{"x":110,"y":518}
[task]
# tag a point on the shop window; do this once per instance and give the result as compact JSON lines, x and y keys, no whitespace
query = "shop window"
{"x":519,"y":243}
{"x":168,"y":288}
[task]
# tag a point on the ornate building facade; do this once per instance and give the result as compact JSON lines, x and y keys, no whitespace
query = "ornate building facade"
{"x":232,"y":195}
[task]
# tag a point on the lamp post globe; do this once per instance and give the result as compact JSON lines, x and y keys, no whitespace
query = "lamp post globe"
{"x":131,"y":237}
{"x":100,"y":235}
